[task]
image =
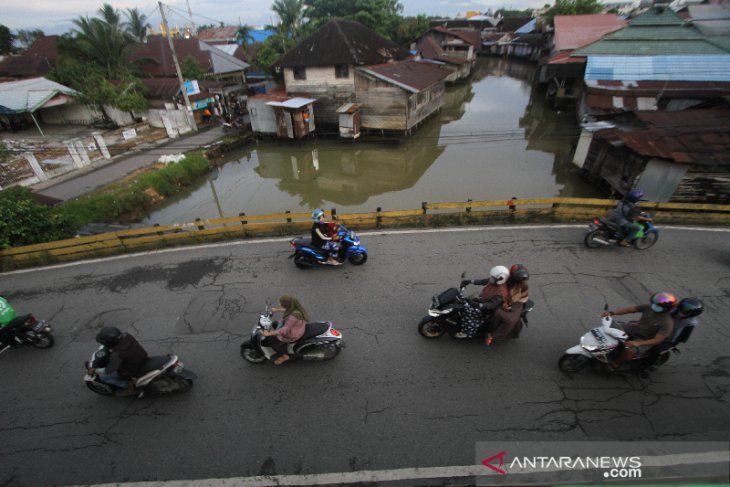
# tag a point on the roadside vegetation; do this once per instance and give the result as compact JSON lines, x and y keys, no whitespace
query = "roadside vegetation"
{"x":24,"y":221}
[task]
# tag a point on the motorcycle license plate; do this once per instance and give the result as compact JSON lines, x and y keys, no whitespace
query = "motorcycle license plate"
{"x":42,"y":326}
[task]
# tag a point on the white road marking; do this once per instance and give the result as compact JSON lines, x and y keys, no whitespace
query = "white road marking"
{"x":403,"y":474}
{"x":367,"y":233}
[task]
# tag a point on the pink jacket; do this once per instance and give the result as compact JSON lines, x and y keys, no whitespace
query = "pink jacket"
{"x":292,"y":330}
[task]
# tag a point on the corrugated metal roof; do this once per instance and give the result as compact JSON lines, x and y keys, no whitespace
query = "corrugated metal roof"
{"x":30,"y":94}
{"x":528,"y":28}
{"x":574,"y":31}
{"x":410,"y":75}
{"x":296,"y":102}
{"x":660,"y":68}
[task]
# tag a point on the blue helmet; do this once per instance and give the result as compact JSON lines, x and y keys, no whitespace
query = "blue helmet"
{"x":634,"y":195}
{"x":317,"y":214}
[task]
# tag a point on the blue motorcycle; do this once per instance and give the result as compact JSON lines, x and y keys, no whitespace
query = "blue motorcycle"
{"x":306,"y":255}
{"x":603,"y":231}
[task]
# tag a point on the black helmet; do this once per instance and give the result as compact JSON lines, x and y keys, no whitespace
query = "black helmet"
{"x":109,"y":336}
{"x":518,"y":273}
{"x":689,"y":307}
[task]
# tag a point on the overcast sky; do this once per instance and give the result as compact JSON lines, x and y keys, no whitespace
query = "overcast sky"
{"x":54,"y":16}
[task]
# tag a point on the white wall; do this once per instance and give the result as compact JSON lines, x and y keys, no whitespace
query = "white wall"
{"x":318,"y":76}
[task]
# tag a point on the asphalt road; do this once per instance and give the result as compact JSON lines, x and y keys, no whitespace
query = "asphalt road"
{"x":392,"y":399}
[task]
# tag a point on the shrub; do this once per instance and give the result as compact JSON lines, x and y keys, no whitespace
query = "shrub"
{"x":24,"y":221}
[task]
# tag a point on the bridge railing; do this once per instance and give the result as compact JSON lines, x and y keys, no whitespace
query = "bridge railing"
{"x":287,"y":223}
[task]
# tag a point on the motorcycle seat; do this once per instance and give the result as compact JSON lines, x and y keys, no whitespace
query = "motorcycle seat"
{"x":306,"y":242}
{"x":313,"y":329}
{"x":610,"y":224}
{"x":17,"y":322}
{"x":153,"y":363}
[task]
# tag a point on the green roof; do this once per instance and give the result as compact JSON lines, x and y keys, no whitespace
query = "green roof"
{"x":656,"y":33}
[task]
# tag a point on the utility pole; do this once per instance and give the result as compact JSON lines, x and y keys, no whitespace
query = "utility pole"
{"x":192,"y":24}
{"x":188,"y":106}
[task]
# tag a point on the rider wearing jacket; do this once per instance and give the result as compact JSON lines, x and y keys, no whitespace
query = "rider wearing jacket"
{"x":7,"y":315}
{"x":625,"y":214}
{"x":321,"y":237}
{"x":121,"y":358}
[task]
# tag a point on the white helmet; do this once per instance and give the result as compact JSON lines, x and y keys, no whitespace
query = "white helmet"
{"x":500,"y":274}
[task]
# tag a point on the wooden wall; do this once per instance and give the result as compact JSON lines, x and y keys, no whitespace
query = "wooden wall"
{"x":322,"y":85}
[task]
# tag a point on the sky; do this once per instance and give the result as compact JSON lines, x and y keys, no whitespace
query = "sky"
{"x":54,"y":16}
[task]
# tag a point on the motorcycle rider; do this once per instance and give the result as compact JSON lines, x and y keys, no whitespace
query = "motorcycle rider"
{"x":495,"y":294}
{"x":625,"y":215}
{"x":7,"y":315}
{"x":507,"y":324}
{"x":293,"y":327}
{"x":654,"y":326}
{"x":121,"y":358}
{"x":321,"y":238}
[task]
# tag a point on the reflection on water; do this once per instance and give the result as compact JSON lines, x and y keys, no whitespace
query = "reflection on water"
{"x":495,"y":138}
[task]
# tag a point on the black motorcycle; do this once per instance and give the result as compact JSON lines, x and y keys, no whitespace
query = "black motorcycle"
{"x":26,"y":331}
{"x":450,"y":309}
{"x":603,"y":232}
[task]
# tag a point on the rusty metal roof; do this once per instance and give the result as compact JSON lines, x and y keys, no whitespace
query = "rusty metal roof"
{"x":574,"y":31}
{"x":40,"y":58}
{"x":688,"y":136}
{"x":413,"y":76}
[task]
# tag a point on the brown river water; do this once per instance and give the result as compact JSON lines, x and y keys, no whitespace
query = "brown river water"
{"x":495,"y":138}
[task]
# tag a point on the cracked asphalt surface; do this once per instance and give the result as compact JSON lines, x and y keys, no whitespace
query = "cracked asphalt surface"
{"x":392,"y":399}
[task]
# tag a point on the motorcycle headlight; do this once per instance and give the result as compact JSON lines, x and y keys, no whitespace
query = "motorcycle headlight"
{"x":590,"y":348}
{"x":433,"y":312}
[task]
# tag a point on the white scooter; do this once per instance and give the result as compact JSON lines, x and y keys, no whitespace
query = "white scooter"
{"x":319,"y":342}
{"x":602,"y":345}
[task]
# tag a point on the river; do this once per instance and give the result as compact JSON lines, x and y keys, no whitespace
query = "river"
{"x":495,"y":138}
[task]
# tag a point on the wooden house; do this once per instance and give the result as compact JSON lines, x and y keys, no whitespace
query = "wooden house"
{"x":679,"y":156}
{"x":429,"y":49}
{"x":399,"y":96}
{"x":322,"y":65}
{"x":456,"y":42}
{"x":281,"y":116}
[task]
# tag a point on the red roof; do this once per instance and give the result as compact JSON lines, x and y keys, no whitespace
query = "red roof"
{"x":218,"y":34}
{"x":36,"y":61}
{"x":158,"y":50}
{"x":473,"y":37}
{"x":574,"y":31}
{"x":566,"y":58}
{"x":430,"y":49}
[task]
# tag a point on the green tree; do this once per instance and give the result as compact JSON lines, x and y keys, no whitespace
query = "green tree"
{"x":513,"y":13}
{"x":382,"y":16}
{"x":6,"y":40}
{"x":410,"y":28}
{"x":271,"y":50}
{"x":26,"y":38}
{"x":291,"y":14}
{"x":191,"y":68}
{"x":571,"y":7}
{"x":136,"y":24}
{"x":243,"y":34}
{"x":24,"y":221}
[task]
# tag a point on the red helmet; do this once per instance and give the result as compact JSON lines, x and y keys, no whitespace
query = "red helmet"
{"x":518,"y":273}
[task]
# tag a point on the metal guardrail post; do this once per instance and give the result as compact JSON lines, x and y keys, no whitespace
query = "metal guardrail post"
{"x":467,"y":210}
{"x":378,"y":218}
{"x":200,"y":227}
{"x":334,"y":214}
{"x":241,"y":215}
{"x":288,"y":219}
{"x":157,"y":225}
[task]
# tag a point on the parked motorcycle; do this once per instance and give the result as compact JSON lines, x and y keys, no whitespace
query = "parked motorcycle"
{"x":319,"y":342}
{"x":602,"y":345}
{"x":603,"y":231}
{"x":232,"y":123}
{"x":447,"y":313}
{"x":161,"y":374}
{"x":306,"y":255}
{"x":27,"y":331}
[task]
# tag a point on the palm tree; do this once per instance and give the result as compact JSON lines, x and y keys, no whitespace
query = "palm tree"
{"x":243,"y":33}
{"x":291,"y":14}
{"x":136,"y":24}
{"x":104,"y":44}
{"x":110,"y":15}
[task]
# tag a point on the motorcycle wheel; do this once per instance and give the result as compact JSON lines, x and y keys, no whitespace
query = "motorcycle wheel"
{"x":103,"y":389}
{"x":589,"y":239}
{"x":661,"y":359}
{"x":252,"y":354}
{"x":358,"y":259}
{"x":646,"y":241}
{"x":571,"y":363}
{"x":42,"y":340}
{"x":303,"y":261}
{"x":184,"y":384}
{"x":430,"y":328}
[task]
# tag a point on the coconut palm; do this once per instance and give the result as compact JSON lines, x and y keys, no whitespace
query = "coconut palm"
{"x":110,"y":15}
{"x":243,"y":33}
{"x":136,"y":24}
{"x":291,"y":14}
{"x":104,"y":44}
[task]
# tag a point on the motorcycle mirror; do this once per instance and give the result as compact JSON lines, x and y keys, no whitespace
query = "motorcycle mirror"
{"x":268,"y":302}
{"x":605,"y":306}
{"x":463,"y":275}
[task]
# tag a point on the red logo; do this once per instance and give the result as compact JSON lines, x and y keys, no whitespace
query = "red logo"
{"x":488,"y":462}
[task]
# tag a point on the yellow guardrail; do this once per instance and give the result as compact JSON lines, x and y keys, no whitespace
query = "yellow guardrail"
{"x":430,"y":214}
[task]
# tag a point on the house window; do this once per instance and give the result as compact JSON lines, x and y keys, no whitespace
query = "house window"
{"x":342,"y":71}
{"x":300,"y":72}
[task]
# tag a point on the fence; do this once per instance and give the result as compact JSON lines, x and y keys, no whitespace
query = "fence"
{"x":430,"y":214}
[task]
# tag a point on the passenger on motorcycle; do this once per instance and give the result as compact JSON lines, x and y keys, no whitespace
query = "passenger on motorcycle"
{"x":494,"y":296}
{"x":324,"y":238}
{"x":654,"y":326}
{"x":119,"y":360}
{"x":507,"y":323}
{"x":293,"y":327}
{"x":625,"y":215}
{"x":685,"y":319}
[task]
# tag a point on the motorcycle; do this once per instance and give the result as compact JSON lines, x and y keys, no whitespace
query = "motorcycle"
{"x":229,"y":123}
{"x":602,"y":232}
{"x":27,"y":331}
{"x":306,"y":255}
{"x":161,"y":374}
{"x":601,"y":345}
{"x":319,"y":342}
{"x":448,"y":309}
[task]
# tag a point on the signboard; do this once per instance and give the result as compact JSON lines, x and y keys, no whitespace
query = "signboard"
{"x":197,"y":105}
{"x":191,"y":87}
{"x":129,"y":134}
